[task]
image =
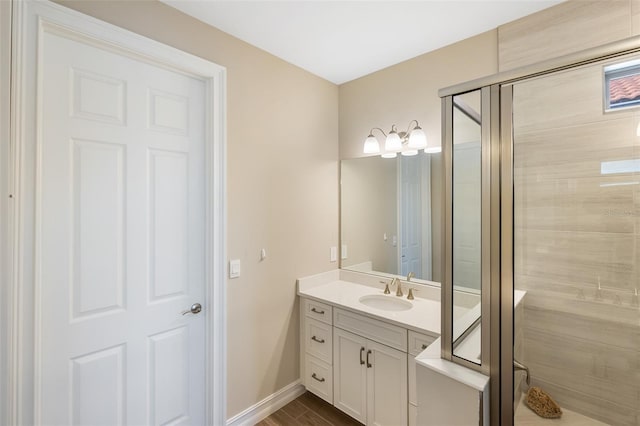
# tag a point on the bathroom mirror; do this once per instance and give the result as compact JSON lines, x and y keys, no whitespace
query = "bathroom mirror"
{"x":467,"y":225}
{"x":386,"y":216}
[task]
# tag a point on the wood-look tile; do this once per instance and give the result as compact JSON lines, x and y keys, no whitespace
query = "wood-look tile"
{"x":573,"y":299}
{"x":587,"y":368}
{"x":295,"y":409}
{"x":279,"y":418}
{"x":310,"y":418}
{"x":308,"y":410}
{"x":565,"y":28}
{"x":326,"y":410}
{"x":610,"y":333}
{"x":577,"y":258}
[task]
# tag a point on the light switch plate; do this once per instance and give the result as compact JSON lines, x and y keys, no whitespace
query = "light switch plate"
{"x":333,"y":256}
{"x":234,"y":268}
{"x":343,"y":252}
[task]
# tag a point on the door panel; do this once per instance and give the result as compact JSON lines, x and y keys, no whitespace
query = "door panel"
{"x":350,"y":376}
{"x":120,"y":195}
{"x":387,"y":386}
{"x":100,"y":373}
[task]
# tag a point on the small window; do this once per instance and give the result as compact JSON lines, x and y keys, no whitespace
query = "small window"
{"x":622,"y":85}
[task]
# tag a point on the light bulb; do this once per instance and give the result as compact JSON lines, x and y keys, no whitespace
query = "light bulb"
{"x":417,"y":139}
{"x":393,"y":142}
{"x":371,"y":145}
{"x":433,"y":149}
{"x":389,"y":155}
{"x":409,"y":152}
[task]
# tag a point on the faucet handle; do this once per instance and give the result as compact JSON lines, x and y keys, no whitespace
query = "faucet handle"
{"x":386,"y":286}
{"x":410,"y":295}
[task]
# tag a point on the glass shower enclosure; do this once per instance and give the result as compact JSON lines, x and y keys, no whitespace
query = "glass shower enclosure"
{"x":576,"y":236}
{"x":560,"y":240}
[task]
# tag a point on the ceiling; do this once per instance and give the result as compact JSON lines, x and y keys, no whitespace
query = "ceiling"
{"x":343,"y":40}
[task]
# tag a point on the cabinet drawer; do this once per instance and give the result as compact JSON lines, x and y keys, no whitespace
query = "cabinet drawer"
{"x":317,"y":310}
{"x":319,"y":378}
{"x":419,"y":342}
{"x":318,"y":339}
{"x":378,"y":331}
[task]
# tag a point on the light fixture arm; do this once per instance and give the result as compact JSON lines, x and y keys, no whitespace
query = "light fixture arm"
{"x":409,"y":128}
{"x":377,"y":128}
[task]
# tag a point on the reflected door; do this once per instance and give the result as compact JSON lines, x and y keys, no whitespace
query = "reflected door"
{"x":411,"y":215}
{"x":120,"y":243}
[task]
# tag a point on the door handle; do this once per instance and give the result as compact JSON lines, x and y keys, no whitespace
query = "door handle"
{"x":195,"y":309}
{"x":361,"y":352}
{"x":368,"y":363}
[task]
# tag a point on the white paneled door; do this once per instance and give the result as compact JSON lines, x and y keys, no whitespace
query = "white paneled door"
{"x":120,"y":244}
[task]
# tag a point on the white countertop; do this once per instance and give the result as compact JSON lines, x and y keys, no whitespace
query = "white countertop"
{"x":423,"y":316}
{"x":468,"y":349}
{"x":430,"y":358}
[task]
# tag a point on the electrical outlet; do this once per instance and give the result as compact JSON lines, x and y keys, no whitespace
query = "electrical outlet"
{"x":333,"y":255}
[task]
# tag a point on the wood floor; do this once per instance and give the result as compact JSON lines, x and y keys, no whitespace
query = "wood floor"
{"x":309,"y":410}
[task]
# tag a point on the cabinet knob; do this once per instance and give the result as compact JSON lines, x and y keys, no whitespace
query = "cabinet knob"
{"x":368,"y":363}
{"x":314,"y":338}
{"x":361,"y":353}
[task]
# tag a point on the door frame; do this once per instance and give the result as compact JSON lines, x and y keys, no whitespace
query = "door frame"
{"x":20,"y":218}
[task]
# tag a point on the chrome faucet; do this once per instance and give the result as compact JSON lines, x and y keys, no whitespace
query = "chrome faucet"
{"x":410,"y":275}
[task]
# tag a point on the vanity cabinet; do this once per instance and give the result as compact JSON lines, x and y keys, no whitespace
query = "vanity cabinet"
{"x":361,"y":365}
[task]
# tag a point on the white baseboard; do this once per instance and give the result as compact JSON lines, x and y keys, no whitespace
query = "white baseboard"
{"x":267,"y":406}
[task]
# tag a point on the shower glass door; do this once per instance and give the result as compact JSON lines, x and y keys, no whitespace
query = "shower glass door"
{"x":576,"y":243}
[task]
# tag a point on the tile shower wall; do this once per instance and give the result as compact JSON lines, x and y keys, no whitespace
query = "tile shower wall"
{"x":575,"y":227}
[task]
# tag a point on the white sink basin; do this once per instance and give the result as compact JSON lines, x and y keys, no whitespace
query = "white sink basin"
{"x":385,"y":303}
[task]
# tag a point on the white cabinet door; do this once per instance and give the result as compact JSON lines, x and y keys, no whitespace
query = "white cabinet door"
{"x":350,"y":374}
{"x":386,"y":385}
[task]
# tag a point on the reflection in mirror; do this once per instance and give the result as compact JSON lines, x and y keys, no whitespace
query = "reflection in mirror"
{"x":385,"y":216}
{"x":467,"y":214}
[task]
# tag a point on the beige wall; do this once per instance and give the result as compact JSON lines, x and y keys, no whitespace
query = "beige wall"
{"x":407,"y":91}
{"x":282,"y":188}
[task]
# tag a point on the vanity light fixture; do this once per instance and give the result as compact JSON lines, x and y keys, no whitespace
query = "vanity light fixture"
{"x":406,"y":143}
